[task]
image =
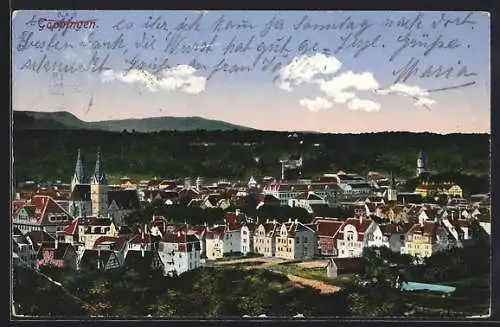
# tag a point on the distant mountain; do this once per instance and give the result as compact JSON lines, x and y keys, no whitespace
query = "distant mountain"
{"x":24,"y":120}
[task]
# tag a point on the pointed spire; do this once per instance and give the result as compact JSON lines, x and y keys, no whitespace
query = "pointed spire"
{"x":79,"y":175}
{"x":99,"y":175}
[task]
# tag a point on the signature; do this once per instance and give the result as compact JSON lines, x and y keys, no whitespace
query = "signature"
{"x":413,"y":69}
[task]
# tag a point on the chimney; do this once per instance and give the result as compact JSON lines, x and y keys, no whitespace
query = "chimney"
{"x":178,"y":233}
{"x":267,"y":221}
{"x":142,"y":252}
{"x":56,"y":243}
{"x":145,"y":228}
{"x":99,"y":252}
{"x":361,"y":219}
{"x":289,"y":220}
{"x":237,"y":212}
{"x":296,"y":221}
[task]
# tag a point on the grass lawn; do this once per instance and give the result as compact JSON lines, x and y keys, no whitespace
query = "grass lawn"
{"x":318,"y":274}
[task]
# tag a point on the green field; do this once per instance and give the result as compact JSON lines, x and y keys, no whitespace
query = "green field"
{"x":318,"y":274}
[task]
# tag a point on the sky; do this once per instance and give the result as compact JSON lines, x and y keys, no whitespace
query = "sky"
{"x":311,"y":89}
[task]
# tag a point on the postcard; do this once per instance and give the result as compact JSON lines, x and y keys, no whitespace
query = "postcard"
{"x":250,"y":164}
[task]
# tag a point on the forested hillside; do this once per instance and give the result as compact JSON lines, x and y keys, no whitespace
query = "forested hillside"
{"x":46,"y":155}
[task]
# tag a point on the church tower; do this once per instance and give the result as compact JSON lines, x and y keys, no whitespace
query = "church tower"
{"x":78,"y":177}
{"x":421,"y":164}
{"x":392,"y":193}
{"x":99,"y":189}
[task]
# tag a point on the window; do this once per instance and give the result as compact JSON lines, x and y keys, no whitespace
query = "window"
{"x":244,"y":232}
{"x":298,"y":240}
{"x":370,"y":237}
{"x":305,"y":239}
{"x":289,"y":241}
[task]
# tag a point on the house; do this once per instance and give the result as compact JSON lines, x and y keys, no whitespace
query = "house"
{"x":179,"y":252}
{"x":122,"y":203}
{"x":484,"y":218}
{"x":342,"y":266}
{"x":201,"y":233}
{"x":22,"y":247}
{"x":426,"y":238}
{"x":454,"y":229}
{"x":215,"y":243}
{"x":98,"y":259}
{"x":264,"y":241}
{"x":397,"y":214}
{"x":352,"y":184}
{"x":142,"y":241}
{"x":394,"y":233}
{"x":84,"y":231}
{"x":37,"y":238}
{"x":117,"y":244}
{"x":284,"y":191}
{"x":350,"y":238}
{"x":41,"y":213}
{"x":307,"y":201}
{"x":232,"y":235}
{"x":295,"y":241}
{"x":326,"y":232}
{"x":375,"y":237}
{"x":143,"y":261}
{"x":62,"y":255}
{"x":127,"y":183}
{"x":433,"y":213}
{"x":454,"y":191}
{"x":247,"y":232}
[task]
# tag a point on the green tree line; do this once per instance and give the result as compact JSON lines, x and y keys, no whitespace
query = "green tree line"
{"x":47,"y":155}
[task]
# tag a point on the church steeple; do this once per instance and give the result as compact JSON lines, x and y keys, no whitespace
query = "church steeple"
{"x":78,"y":176}
{"x":99,"y":176}
{"x":392,"y":193}
{"x":391,"y":182}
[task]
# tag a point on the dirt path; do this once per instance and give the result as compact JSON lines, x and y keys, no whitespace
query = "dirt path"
{"x":266,"y":263}
{"x":322,"y":287}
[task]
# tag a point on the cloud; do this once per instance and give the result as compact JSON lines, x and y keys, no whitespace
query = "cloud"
{"x":304,"y":69}
{"x":416,"y":92}
{"x":361,"y":104}
{"x":404,"y":89}
{"x":323,"y":71}
{"x":425,"y":102}
{"x":316,"y":104}
{"x":336,"y":87}
{"x":181,"y":78}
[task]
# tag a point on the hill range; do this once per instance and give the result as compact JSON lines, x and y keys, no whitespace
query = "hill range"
{"x":35,"y":120}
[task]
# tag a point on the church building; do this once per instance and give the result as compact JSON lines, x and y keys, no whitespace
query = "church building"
{"x":93,"y":196}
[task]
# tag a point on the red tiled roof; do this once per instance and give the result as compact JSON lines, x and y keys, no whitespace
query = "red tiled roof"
{"x":139,"y":239}
{"x":38,"y":238}
{"x":395,"y":228}
{"x":216,"y":232}
{"x":46,"y":205}
{"x":327,"y":227}
{"x":16,"y":205}
{"x":118,"y":242}
{"x":361,"y":226}
{"x":71,"y":229}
